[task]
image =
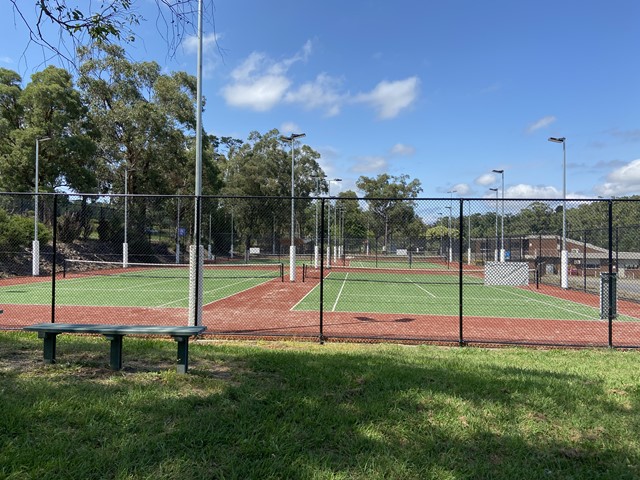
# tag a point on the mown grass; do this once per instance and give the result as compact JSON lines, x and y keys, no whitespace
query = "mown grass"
{"x":301,"y":410}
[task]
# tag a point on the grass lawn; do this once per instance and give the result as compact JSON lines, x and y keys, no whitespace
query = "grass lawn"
{"x":307,"y":411}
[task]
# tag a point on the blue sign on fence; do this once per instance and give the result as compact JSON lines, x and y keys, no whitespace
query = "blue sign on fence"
{"x":182,"y":232}
{"x":507,"y":255}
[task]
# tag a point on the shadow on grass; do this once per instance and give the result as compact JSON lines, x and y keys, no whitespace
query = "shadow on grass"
{"x":254,"y":412}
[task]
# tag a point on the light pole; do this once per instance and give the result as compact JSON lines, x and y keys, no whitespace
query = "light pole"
{"x":292,"y":249}
{"x":450,"y":207}
{"x":35,"y":264}
{"x":564,"y":258}
{"x":502,"y":255}
{"x":329,"y":222}
{"x":316,"y":250}
{"x":495,"y":252}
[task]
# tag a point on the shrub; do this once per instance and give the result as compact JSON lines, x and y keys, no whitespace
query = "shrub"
{"x":16,"y":232}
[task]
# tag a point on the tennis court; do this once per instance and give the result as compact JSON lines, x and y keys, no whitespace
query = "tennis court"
{"x":427,"y":291}
{"x":86,"y":283}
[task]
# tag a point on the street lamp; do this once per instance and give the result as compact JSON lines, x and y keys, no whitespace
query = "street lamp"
{"x":329,"y":222}
{"x":501,"y":172}
{"x":495,"y":252}
{"x":35,"y":264}
{"x":292,"y":249}
{"x":564,"y":257}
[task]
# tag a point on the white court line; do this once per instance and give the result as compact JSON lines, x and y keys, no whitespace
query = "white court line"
{"x":423,"y":289}
{"x":549,"y":304}
{"x":303,"y":298}
{"x":340,"y":292}
{"x":219,"y":288}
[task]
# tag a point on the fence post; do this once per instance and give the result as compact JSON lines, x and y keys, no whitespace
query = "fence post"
{"x":460,"y":282}
{"x":584,"y":261}
{"x":53,"y":263}
{"x":610,"y":314}
{"x":322,"y":239}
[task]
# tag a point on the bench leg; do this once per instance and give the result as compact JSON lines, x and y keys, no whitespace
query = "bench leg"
{"x":49,"y":346}
{"x":183,"y":353}
{"x":116,"y":351}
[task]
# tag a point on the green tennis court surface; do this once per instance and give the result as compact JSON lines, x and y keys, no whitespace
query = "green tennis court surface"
{"x":140,"y":286}
{"x":438,"y":294}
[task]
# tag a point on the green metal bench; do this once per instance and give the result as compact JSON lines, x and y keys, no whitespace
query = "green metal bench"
{"x":114,"y":333}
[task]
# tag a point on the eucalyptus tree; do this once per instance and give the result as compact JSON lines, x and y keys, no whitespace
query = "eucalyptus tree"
{"x":261,"y":167}
{"x":390,"y":202}
{"x":48,"y":107}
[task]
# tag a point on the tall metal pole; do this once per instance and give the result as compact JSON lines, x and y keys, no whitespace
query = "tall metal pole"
{"x":292,"y":248}
{"x":35,"y":263}
{"x":329,"y":223}
{"x":316,"y":253}
{"x":195,"y":252}
{"x":198,"y":184}
{"x":564,"y":257}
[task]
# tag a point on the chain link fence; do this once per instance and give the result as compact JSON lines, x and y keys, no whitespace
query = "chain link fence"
{"x":486,"y":270}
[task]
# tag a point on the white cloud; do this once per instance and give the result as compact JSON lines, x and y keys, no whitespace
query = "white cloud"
{"x":390,"y":98}
{"x":6,"y":59}
{"x":260,"y":94}
{"x":321,"y":93}
{"x":259,"y":83}
{"x":523,"y":190}
{"x":486,"y":180}
{"x":369,"y":164}
{"x":208,"y":42}
{"x":541,"y":123}
{"x":402,"y":150}
{"x":621,"y":181}
{"x":462,"y":189}
{"x":288,"y":128}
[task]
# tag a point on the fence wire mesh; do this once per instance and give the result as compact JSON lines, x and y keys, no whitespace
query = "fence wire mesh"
{"x":539,"y":272}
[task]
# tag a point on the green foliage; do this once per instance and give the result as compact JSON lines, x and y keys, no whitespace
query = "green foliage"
{"x":390,"y":203}
{"x":261,"y":167}
{"x":16,"y":232}
{"x":70,"y":226}
{"x":109,"y":230}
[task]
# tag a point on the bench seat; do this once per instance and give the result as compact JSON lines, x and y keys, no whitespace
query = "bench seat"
{"x":114,"y":333}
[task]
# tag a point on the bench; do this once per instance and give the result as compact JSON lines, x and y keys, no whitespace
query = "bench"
{"x":114,"y":333}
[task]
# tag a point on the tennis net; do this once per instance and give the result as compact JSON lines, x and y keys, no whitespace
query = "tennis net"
{"x":86,"y":268}
{"x":410,"y":260}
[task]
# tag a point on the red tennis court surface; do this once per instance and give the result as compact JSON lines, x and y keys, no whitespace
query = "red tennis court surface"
{"x":266,"y":311}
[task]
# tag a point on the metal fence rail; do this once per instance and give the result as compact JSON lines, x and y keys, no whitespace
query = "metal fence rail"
{"x":423,"y":270}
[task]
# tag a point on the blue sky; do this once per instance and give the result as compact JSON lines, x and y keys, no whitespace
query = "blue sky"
{"x":444,"y":92}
